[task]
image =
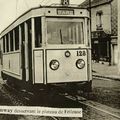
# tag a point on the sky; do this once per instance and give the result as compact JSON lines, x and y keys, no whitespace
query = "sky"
{"x":11,"y":9}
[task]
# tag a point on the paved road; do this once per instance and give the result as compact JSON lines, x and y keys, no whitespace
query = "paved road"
{"x":106,"y":92}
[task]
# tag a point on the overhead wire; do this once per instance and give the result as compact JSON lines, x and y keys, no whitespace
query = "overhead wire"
{"x":48,"y":1}
{"x":42,"y":1}
{"x":16,"y":8}
{"x":26,"y":4}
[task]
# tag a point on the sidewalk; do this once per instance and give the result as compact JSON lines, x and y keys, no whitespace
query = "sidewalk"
{"x":105,"y":71}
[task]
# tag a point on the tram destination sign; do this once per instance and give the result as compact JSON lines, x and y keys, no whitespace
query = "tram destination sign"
{"x":65,"y":12}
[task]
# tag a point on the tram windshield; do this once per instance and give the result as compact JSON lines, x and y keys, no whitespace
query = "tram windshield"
{"x":65,"y":31}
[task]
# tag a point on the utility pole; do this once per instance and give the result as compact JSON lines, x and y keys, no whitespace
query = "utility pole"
{"x":90,"y":8}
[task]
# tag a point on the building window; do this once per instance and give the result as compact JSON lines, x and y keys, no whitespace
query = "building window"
{"x":99,"y":20}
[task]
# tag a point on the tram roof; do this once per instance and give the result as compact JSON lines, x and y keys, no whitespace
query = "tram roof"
{"x":43,"y":11}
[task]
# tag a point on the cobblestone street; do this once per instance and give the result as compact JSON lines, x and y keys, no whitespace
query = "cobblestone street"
{"x":106,"y":92}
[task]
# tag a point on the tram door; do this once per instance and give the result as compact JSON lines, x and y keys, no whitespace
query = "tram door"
{"x":26,"y":51}
{"x":23,"y":52}
{"x":29,"y":50}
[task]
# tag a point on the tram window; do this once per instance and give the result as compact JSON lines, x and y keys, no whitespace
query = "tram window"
{"x":29,"y":30}
{"x":1,"y":58}
{"x":23,"y":32}
{"x":4,"y":44}
{"x":38,"y":36}
{"x":65,"y":32}
{"x":0,"y":52}
{"x":7,"y":43}
{"x":88,"y":32}
{"x":17,"y":38}
{"x":11,"y":41}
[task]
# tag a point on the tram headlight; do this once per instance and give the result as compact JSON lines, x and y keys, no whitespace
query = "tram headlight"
{"x":80,"y":63}
{"x":54,"y":64}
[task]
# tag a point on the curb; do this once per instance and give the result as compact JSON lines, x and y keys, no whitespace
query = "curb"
{"x":112,"y":78}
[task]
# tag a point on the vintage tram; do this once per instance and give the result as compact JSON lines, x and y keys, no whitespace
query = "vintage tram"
{"x":48,"y":45}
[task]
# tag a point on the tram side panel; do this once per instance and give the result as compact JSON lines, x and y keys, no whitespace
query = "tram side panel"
{"x":11,"y":65}
{"x":38,"y":66}
{"x":89,"y":65}
{"x":1,"y":58}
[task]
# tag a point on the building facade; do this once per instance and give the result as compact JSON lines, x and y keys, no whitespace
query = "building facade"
{"x":104,"y":29}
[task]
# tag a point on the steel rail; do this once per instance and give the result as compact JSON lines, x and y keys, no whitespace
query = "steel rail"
{"x":54,"y":118}
{"x":85,"y":102}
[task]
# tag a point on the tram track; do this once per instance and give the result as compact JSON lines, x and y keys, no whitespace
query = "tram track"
{"x":105,"y":78}
{"x":54,"y":118}
{"x":95,"y":105}
{"x":18,"y":96}
{"x":7,"y":89}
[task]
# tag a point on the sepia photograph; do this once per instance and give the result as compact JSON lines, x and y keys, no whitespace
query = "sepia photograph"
{"x":59,"y":60}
